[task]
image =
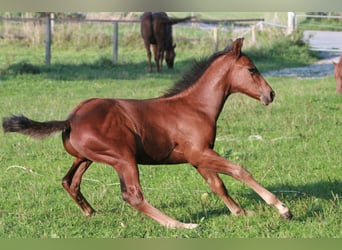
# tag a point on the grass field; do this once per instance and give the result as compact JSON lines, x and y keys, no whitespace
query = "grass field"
{"x":291,"y":147}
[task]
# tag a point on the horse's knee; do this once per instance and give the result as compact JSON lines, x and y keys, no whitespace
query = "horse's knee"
{"x":217,"y":187}
{"x":241,"y":173}
{"x":66,"y":182}
{"x":132,"y":195}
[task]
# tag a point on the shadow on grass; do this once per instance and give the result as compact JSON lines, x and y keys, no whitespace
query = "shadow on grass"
{"x":326,"y":190}
{"x":100,"y":69}
{"x":330,"y":190}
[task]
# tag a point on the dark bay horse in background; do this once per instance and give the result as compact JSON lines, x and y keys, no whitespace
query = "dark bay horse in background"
{"x":156,"y":30}
{"x":178,"y":127}
{"x":338,"y":75}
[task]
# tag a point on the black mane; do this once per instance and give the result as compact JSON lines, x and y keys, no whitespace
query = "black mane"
{"x":191,"y":76}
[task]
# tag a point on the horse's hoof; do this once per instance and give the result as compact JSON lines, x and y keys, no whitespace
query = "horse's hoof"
{"x":245,"y":212}
{"x":250,"y":212}
{"x":190,"y":226}
{"x":287,"y":215}
{"x":182,"y":225}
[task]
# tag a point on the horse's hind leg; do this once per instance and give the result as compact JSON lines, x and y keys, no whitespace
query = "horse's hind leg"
{"x":218,"y":187}
{"x":132,"y":194}
{"x":149,"y":55}
{"x":72,"y":184}
{"x":155,"y":48}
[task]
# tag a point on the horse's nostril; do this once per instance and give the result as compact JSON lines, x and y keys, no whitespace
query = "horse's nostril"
{"x":272,"y":94}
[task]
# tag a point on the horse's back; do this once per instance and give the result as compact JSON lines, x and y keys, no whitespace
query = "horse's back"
{"x":104,"y":117}
{"x":146,"y":26}
{"x":100,"y":127}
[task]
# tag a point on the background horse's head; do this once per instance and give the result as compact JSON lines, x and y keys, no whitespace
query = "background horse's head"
{"x":245,"y":78}
{"x":170,"y":56}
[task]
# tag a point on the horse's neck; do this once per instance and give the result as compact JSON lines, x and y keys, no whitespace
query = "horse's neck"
{"x":211,"y":91}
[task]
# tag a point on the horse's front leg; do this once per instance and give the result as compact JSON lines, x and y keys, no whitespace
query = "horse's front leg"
{"x":217,"y":186}
{"x":211,"y":161}
{"x":159,"y":56}
{"x":155,"y":48}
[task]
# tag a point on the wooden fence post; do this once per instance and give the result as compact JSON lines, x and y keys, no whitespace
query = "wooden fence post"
{"x":115,"y":41}
{"x":253,"y":29}
{"x":48,"y":40}
{"x":215,"y":37}
{"x":291,"y":22}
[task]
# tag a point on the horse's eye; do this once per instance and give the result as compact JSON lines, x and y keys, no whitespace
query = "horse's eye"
{"x":252,"y":70}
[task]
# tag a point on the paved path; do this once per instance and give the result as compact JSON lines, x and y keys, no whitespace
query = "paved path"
{"x":323,"y":40}
{"x":330,"y":45}
{"x":322,"y":68}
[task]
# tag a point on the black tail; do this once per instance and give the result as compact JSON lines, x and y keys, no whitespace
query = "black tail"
{"x":173,"y":21}
{"x":23,"y":125}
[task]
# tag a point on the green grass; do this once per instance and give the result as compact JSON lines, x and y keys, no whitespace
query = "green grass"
{"x":291,"y":147}
{"x":294,"y":156}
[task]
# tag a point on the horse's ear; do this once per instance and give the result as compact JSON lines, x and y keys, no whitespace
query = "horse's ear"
{"x":236,"y":47}
{"x":174,"y":46}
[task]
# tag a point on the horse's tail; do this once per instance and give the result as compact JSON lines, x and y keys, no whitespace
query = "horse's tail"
{"x":23,"y":125}
{"x":173,"y":21}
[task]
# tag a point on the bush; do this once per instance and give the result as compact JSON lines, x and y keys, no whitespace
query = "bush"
{"x":282,"y":52}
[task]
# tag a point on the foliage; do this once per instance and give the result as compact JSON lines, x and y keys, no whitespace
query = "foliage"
{"x":286,"y":52}
{"x":321,"y":23}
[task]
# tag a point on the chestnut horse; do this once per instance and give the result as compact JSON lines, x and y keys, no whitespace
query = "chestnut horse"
{"x":178,"y":127}
{"x":156,"y":29}
{"x":338,"y":75}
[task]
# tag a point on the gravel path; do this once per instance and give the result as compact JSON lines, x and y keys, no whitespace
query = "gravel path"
{"x":322,"y":68}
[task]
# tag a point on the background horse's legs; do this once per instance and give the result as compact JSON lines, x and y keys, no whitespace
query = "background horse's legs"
{"x":218,"y":187}
{"x":161,"y":58}
{"x":149,"y":55}
{"x":156,"y":49}
{"x":72,"y":184}
{"x":132,"y":194}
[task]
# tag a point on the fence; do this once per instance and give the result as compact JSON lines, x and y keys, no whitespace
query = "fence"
{"x":49,"y":26}
{"x":331,"y":25}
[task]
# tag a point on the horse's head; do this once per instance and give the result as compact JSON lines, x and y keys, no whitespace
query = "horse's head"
{"x":170,"y":56}
{"x":245,"y":78}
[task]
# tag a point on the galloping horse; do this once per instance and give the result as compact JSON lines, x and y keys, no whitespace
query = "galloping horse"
{"x":156,"y":29}
{"x":178,"y":127}
{"x":338,"y":75}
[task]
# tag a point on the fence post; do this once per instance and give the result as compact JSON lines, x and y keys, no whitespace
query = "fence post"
{"x":253,"y":30}
{"x":115,"y":41}
{"x":215,"y":37}
{"x":48,"y":40}
{"x":291,"y":24}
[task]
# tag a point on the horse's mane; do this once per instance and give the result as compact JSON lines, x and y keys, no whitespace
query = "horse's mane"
{"x":191,"y":76}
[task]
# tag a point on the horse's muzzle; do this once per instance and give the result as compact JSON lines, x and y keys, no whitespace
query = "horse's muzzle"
{"x":267,"y":99}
